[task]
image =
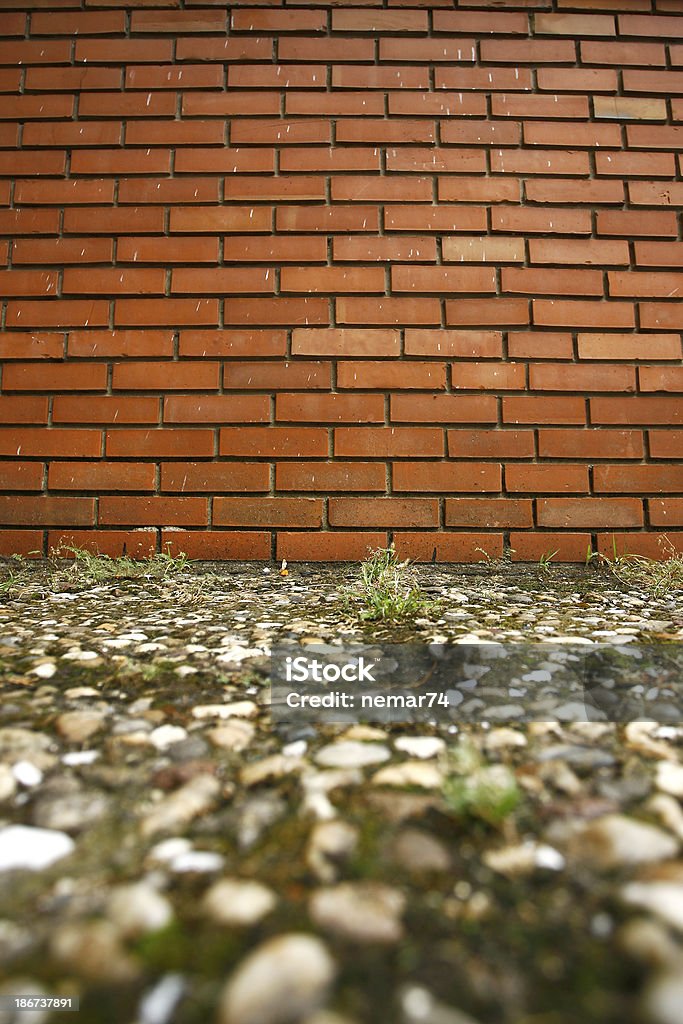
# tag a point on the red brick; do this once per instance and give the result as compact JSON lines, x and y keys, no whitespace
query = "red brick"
{"x":528,"y":51}
{"x":195,"y":219}
{"x":435,"y":218}
{"x":387,"y":131}
{"x":223,"y":161}
{"x":574,"y":313}
{"x":636,"y":409}
{"x":29,"y":222}
{"x":638,"y":108}
{"x":388,"y":374}
{"x":588,"y":80}
{"x":123,"y":51}
{"x":590,"y":135}
{"x":539,"y":345}
{"x":152,"y":511}
{"x":487,"y":444}
{"x":278,"y":21}
{"x":120,"y":343}
{"x":48,"y":192}
{"x":539,"y":161}
{"x":478,"y":190}
{"x":22,"y":476}
{"x":623,"y":53}
{"x":279,"y":132}
{"x":134,"y":543}
{"x":564,"y":547}
{"x":345,"y":342}
{"x":216,"y":409}
{"x":35,"y":51}
{"x":339,"y":104}
{"x":667,"y":512}
{"x":489,"y":512}
{"x":330,"y":476}
{"x":60,"y":250}
{"x":51,"y":442}
{"x":333,"y":280}
{"x":560,"y":377}
{"x":543,"y":479}
{"x":222,"y":104}
{"x":655,"y":193}
{"x":55,"y":79}
{"x":446,"y":477}
{"x":351,"y":20}
{"x":380,"y":512}
{"x":296,"y":512}
{"x":233,"y":544}
{"x":104,"y":409}
{"x":329,"y":408}
{"x":478,"y":248}
{"x":541,"y":409}
{"x":522,"y":106}
{"x":644,"y":283}
{"x":23,"y":409}
{"x":213,"y":477}
{"x":458,"y":344}
{"x":590,"y":444}
{"x":427,"y":51}
{"x":124,"y":105}
{"x":589,"y":512}
{"x":646,"y":25}
{"x":629,"y":346}
{"x":541,"y":221}
{"x":328,"y":219}
{"x":568,"y":190}
{"x":274,"y":76}
{"x":275,"y":442}
{"x":41,"y":510}
{"x":442,"y":280}
{"x":389,"y":442}
{"x":431,"y":104}
{"x":205,"y":20}
{"x":114,"y":163}
{"x":32,"y":346}
{"x":488,"y":376}
{"x":404,"y":310}
{"x":171,"y":442}
{"x":14,"y":24}
{"x":654,"y":136}
{"x":332,"y":50}
{"x":165,"y":376}
{"x":481,"y":133}
{"x":70,"y":134}
{"x":666,"y":444}
{"x":443,"y":409}
{"x":233,"y":343}
{"x":577,"y":251}
{"x":386,"y":190}
{"x":659,"y":254}
{"x":274,"y":376}
{"x":329,"y":546}
{"x":480,"y":24}
{"x":58,"y":313}
{"x":140,"y":220}
{"x":637,"y":479}
{"x":531,"y":280}
{"x":446,"y":546}
{"x":574,"y":25}
{"x":28,"y":282}
{"x":651,"y":545}
{"x":385,"y":249}
{"x":35,"y":163}
{"x":113,"y":281}
{"x":275,"y":188}
{"x":632,"y":223}
{"x":221,"y":280}
{"x":175,"y":133}
{"x":170,"y":76}
{"x":101,"y":476}
{"x":28,"y":543}
{"x":485,"y":312}
{"x":150,"y":312}
{"x":95,"y":23}
{"x":276,"y":311}
{"x":223,"y":49}
{"x":387,"y":77}
{"x":661,"y":378}
{"x":167,"y":250}
{"x":665,"y":315}
{"x":256,"y":249}
{"x":323,"y":159}
{"x":649,"y":82}
{"x":489,"y":79}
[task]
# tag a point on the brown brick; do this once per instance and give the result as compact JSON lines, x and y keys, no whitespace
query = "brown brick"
{"x":539,"y":345}
{"x":329,"y":408}
{"x":165,"y":376}
{"x":446,"y":477}
{"x":152,"y":511}
{"x":575,"y":313}
{"x":489,"y":512}
{"x":104,"y":409}
{"x":485,"y":312}
{"x":287,"y":512}
{"x":589,"y":512}
{"x":448,"y":546}
{"x":101,"y":476}
{"x":631,"y":223}
{"x":233,"y":343}
{"x":332,"y":280}
{"x":387,"y":512}
{"x":590,"y":444}
{"x":275,"y":442}
{"x":543,"y":479}
{"x":218,"y":544}
{"x":215,"y":409}
{"x":151,"y":312}
{"x":560,"y":377}
{"x":54,"y":377}
{"x":487,"y":444}
{"x":391,"y":374}
{"x":329,"y":546}
{"x":389,"y":442}
{"x":637,"y":479}
{"x":387,"y":248}
{"x":443,"y":409}
{"x":22,"y":476}
{"x":214,"y":477}
{"x":45,"y":443}
{"x":564,"y":547}
{"x":169,"y":442}
{"x":404,"y":310}
{"x":458,"y":344}
{"x":330,"y":476}
{"x":43,"y":510}
{"x":629,"y":346}
{"x":345,"y":342}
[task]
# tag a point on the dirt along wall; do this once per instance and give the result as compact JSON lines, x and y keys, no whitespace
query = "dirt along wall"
{"x":297,"y":280}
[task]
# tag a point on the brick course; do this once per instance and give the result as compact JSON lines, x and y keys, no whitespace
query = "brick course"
{"x":296,"y":279}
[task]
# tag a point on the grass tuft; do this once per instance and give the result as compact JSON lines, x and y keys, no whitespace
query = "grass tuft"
{"x":387,"y":589}
{"x":473,"y":789}
{"x":88,"y":567}
{"x":659,"y":576}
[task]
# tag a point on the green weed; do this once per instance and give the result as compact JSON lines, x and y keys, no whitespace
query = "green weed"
{"x":659,"y":576}
{"x":387,"y":589}
{"x":477,"y":790}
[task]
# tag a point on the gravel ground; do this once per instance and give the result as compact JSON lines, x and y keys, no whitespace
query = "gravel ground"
{"x":169,"y":854}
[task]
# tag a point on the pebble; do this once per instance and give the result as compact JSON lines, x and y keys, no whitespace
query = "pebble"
{"x":79,"y":726}
{"x":196,"y":797}
{"x":368,"y":912}
{"x":70,"y":812}
{"x":236,"y":735}
{"x":615,"y":840}
{"x":274,"y":767}
{"x":33,"y":849}
{"x":281,"y":981}
{"x":422,"y":747}
{"x":665,"y":899}
{"x":669,"y":778}
{"x":238,"y":902}
{"x":352,"y":754}
{"x":663,"y":997}
{"x":523,"y":859}
{"x":419,"y":852}
{"x":137,"y":909}
{"x":197,"y":862}
{"x":329,"y":844}
{"x":8,"y":782}
{"x":166,"y":735}
{"x":240,"y":709}
{"x":157,"y":1005}
{"x":93,"y":950}
{"x":27,"y":774}
{"x":410,"y":773}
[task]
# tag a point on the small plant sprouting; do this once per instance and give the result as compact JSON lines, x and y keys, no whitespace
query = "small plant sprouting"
{"x":660,"y":576}
{"x":88,"y":567}
{"x":15,"y":575}
{"x":546,"y":559}
{"x":477,"y":790}
{"x":387,"y":589}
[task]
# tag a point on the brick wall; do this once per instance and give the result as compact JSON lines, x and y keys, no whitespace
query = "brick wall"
{"x":295,"y":280}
